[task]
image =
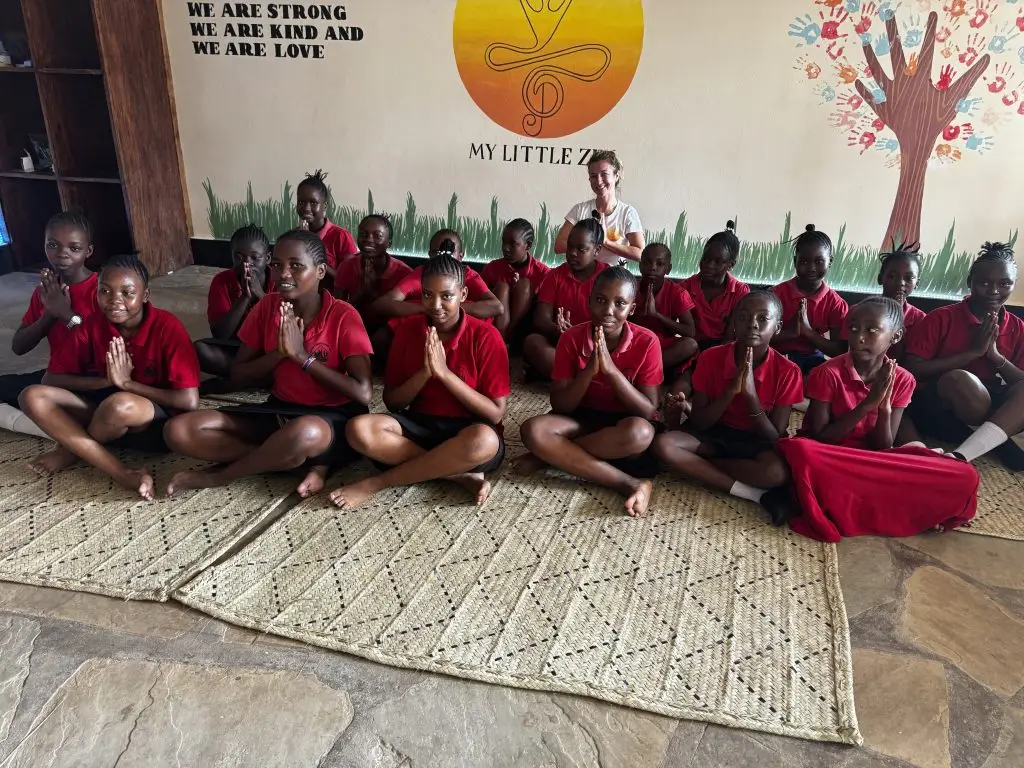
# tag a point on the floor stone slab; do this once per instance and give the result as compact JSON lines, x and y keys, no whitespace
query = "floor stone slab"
{"x":992,"y":561}
{"x":137,"y":713}
{"x":949,"y":617}
{"x":903,"y":707}
{"x":867,"y":574}
{"x":17,"y":639}
{"x":1009,"y":751}
{"x":136,"y":617}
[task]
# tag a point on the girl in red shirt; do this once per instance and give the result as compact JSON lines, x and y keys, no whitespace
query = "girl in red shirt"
{"x":515,"y":279}
{"x":744,"y":392}
{"x":857,"y":403}
{"x":362,"y":281}
{"x":66,"y":295}
{"x":563,"y":299}
{"x":898,"y":276}
{"x":316,"y":350}
{"x":810,"y":309}
{"x":311,"y":199}
{"x":605,"y":385}
{"x":446,"y":385}
{"x":715,"y":292}
{"x":233,"y":293}
{"x":126,"y":370}
{"x":969,"y":361}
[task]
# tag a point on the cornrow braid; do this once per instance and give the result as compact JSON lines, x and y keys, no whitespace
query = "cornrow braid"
{"x":995,"y":252}
{"x":384,"y":219}
{"x":615,"y":275}
{"x":891,"y":309}
{"x":908,"y":251}
{"x":250,"y":233}
{"x":524,"y":228}
{"x":444,"y":265}
{"x":593,"y":228}
{"x":72,"y":218}
{"x":310,"y":241}
{"x":656,"y":247}
{"x":762,"y":293}
{"x":726,"y":239}
{"x":127,"y":261}
{"x":811,"y":238}
{"x":317,"y":180}
{"x":446,"y":234}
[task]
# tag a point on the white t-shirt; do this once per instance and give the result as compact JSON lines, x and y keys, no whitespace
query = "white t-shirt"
{"x":622,"y":221}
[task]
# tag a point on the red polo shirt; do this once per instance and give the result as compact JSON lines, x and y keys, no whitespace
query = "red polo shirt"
{"x":500,"y":271}
{"x":225,"y":290}
{"x":349,"y":277}
{"x":825,"y":310}
{"x":671,"y":300}
{"x":83,"y":303}
{"x":950,"y":330}
{"x":335,"y":334}
{"x":337,"y":242}
{"x":476,"y":354}
{"x":638,"y":357}
{"x":837,"y":383}
{"x":411,"y":285}
{"x":562,"y":289}
{"x":161,"y":350}
{"x":776,"y":380}
{"x":710,"y":317}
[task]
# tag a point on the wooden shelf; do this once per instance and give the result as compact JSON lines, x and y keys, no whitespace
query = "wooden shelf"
{"x":33,"y":175}
{"x":27,"y":207}
{"x":51,"y":71}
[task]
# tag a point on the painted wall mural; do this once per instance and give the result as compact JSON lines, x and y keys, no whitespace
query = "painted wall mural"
{"x":874,"y":120}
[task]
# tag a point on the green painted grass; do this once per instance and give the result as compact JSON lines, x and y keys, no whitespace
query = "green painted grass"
{"x":765,"y":262}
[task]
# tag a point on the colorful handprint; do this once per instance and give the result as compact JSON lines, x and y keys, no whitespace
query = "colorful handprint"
{"x":805,"y":29}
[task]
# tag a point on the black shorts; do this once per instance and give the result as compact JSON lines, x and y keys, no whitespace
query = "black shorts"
{"x":645,"y":465}
{"x":149,"y":439}
{"x":731,"y":443}
{"x":275,"y":413}
{"x":12,"y":384}
{"x":227,"y":344}
{"x":807,"y":361}
{"x":429,"y":431}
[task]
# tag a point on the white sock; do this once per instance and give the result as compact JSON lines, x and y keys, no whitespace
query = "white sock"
{"x":15,"y":421}
{"x":749,"y":492}
{"x":985,"y":438}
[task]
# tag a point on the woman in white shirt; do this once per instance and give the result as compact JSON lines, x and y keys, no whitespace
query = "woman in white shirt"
{"x":624,"y":235}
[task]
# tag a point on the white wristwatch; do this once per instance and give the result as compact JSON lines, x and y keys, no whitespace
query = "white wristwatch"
{"x":74,"y":322}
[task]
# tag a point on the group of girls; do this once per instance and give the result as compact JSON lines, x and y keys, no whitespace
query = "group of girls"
{"x":698,"y":376}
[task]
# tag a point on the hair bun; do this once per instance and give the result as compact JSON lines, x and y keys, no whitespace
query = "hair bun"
{"x":809,"y":228}
{"x":730,"y":225}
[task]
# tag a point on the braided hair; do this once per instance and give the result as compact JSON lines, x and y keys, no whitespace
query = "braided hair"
{"x":651,"y":247}
{"x":726,"y":239}
{"x":450,"y":243}
{"x":71,"y":218}
{"x":250,"y":233}
{"x":890,"y":308}
{"x":593,"y":228}
{"x":524,"y":228}
{"x":903,"y":251}
{"x":615,"y":275}
{"x":317,"y":180}
{"x":445,"y":265}
{"x":310,"y":241}
{"x":761,"y":293}
{"x":384,"y":219}
{"x":129,"y":261}
{"x":814,"y":238}
{"x":995,"y":253}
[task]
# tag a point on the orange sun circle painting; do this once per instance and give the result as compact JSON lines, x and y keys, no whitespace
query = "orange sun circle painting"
{"x":547,"y":68}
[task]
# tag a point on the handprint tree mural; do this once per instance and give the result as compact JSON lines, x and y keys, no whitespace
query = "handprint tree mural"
{"x":900,"y":107}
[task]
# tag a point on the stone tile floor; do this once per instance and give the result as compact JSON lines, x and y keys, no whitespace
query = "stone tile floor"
{"x":937,"y":624}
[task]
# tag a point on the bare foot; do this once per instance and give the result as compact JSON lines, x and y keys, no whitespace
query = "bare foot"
{"x":313,"y":482}
{"x":636,"y":504}
{"x":474,"y":482}
{"x":138,"y":480}
{"x":196,"y":478}
{"x":52,"y":461}
{"x":351,"y":496}
{"x":527,"y":464}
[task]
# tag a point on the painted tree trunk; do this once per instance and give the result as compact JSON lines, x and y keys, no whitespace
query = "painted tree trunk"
{"x":905,"y":220}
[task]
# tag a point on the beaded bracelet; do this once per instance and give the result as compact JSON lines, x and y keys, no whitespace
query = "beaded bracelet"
{"x":758,"y":414}
{"x":309,"y":361}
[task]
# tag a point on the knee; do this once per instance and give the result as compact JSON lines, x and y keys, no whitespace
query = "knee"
{"x":963,"y":392}
{"x":125,"y":408}
{"x":33,"y":397}
{"x":480,"y":443}
{"x":359,"y":432}
{"x":533,"y":432}
{"x":637,"y":434}
{"x":310,"y":434}
{"x":533,"y":344}
{"x":522,"y":290}
{"x":776,"y":473}
{"x":688,"y":347}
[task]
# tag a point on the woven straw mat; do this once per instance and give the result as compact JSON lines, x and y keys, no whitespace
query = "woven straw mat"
{"x":79,"y":530}
{"x":1000,"y":502}
{"x":700,"y":611}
